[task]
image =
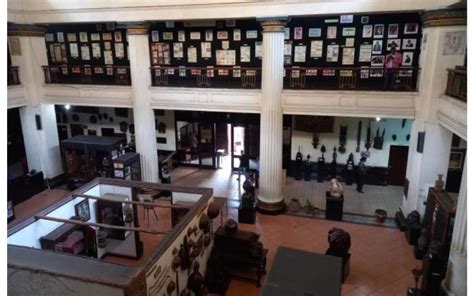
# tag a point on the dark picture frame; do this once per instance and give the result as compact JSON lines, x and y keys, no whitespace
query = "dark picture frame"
{"x":421,"y":142}
{"x":83,"y":210}
{"x":456,"y":159}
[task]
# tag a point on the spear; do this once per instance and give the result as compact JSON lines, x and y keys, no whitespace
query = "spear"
{"x":359,"y":129}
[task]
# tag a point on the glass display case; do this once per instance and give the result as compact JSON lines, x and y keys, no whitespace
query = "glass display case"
{"x":87,"y":157}
{"x":127,"y":166}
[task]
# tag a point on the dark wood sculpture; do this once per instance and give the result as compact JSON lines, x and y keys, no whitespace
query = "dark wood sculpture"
{"x":196,"y":280}
{"x":339,"y":245}
{"x":184,"y":253}
{"x":247,"y":211}
{"x":378,"y":140}
{"x":368,"y":138}
{"x":342,"y":139}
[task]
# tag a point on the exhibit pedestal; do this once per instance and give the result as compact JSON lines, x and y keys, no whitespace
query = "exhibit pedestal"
{"x":334,"y":207}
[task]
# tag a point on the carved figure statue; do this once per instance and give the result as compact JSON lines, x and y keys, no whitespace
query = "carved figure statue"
{"x":335,"y":188}
{"x":339,"y":242}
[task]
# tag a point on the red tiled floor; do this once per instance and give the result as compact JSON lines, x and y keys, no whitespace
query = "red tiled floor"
{"x":381,"y":260}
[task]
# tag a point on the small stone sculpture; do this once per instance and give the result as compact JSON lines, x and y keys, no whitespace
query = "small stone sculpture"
{"x":335,"y":188}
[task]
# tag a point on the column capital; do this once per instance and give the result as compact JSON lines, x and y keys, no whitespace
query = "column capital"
{"x":276,"y":24}
{"x":444,"y":17}
{"x":26,"y":30}
{"x":138,"y":29}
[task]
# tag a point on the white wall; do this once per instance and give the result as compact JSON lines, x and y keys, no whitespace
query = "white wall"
{"x":168,"y":119}
{"x":377,"y":157}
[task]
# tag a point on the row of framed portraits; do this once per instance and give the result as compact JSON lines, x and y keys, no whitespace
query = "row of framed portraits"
{"x":368,"y":31}
{"x":89,"y":70}
{"x":84,"y":52}
{"x":161,"y":53}
{"x":84,"y":37}
{"x":235,"y":72}
{"x":183,"y":36}
{"x":364,"y":72}
{"x":367,"y":52}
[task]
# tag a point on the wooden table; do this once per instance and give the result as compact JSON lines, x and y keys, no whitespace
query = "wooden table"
{"x":296,"y":272}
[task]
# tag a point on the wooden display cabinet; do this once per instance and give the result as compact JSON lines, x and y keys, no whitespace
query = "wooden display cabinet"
{"x":128,"y":167}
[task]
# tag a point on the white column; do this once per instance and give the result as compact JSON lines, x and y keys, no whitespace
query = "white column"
{"x":455,"y":282}
{"x":144,"y":118}
{"x":423,"y":168}
{"x":270,"y":198}
{"x":28,"y":52}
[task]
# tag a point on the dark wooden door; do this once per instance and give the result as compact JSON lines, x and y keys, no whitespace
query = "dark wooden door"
{"x":397,"y":165}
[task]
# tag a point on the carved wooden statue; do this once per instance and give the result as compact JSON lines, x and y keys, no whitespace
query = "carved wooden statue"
{"x":339,"y":242}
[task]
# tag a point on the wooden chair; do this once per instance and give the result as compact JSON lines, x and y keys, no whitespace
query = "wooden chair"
{"x":147,"y":198}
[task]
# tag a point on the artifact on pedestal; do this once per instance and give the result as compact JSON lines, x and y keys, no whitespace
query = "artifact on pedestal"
{"x":439,"y":184}
{"x":247,"y":210}
{"x":335,"y":188}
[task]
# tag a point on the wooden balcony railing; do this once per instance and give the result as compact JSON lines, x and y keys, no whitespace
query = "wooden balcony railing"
{"x":209,"y":77}
{"x":102,"y":75}
{"x":13,"y":77}
{"x":457,"y":83}
{"x":402,"y":79}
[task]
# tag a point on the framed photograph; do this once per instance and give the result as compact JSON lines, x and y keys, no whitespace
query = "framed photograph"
{"x":225,"y":44}
{"x":364,"y":20}
{"x":287,"y":33}
{"x":110,"y":26}
{"x":181,"y":36}
{"x":407,"y":58}
{"x":258,"y":49}
{"x":118,"y":36}
{"x":298,"y":33}
{"x":169,"y":24}
{"x":71,"y":37}
{"x":314,"y":32}
{"x":95,"y":37}
{"x":331,"y":32}
{"x":177,"y":50}
{"x":245,"y":54}
{"x":367,"y":31}
{"x":209,"y":35}
{"x":167,"y":35}
{"x":348,"y":54}
{"x":347,"y":19}
{"x":349,"y":42}
{"x":74,"y":50}
{"x":206,"y":51}
{"x":411,"y":28}
{"x":85,"y":53}
{"x":329,"y":72}
{"x":107,"y":45}
{"x":456,"y":159}
{"x":331,"y":21}
{"x":83,"y":37}
{"x":394,"y":43}
{"x":251,"y":34}
{"x":300,"y":54}
{"x":364,"y":73}
{"x":96,"y":52}
{"x":377,"y":46}
{"x":236,"y":35}
{"x":378,"y":31}
{"x":192,"y":55}
{"x":98,"y":27}
{"x":230,"y":23}
{"x":195,"y":36}
{"x":454,"y":43}
{"x":332,"y":54}
{"x":376,"y":73}
{"x":155,"y":36}
{"x":365,"y":53}
{"x":107,"y":36}
{"x":349,"y":31}
{"x":49,"y":37}
{"x":409,"y":44}
{"x":392,"y":31}
{"x":82,"y":210}
{"x":377,"y":61}
{"x":222,"y":35}
{"x":60,"y":36}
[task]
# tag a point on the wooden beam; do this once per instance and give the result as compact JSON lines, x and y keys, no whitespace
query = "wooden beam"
{"x":138,"y":203}
{"x":108,"y":226}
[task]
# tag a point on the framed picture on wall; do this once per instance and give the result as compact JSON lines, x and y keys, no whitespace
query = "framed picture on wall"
{"x":393,"y":43}
{"x":251,"y":34}
{"x":349,"y":31}
{"x":71,"y":37}
{"x":236,"y":34}
{"x":456,"y":159}
{"x":378,"y":31}
{"x":364,"y":20}
{"x":314,"y":32}
{"x":181,"y":36}
{"x":331,"y":32}
{"x":411,"y":28}
{"x":222,"y":35}
{"x":82,"y":210}
{"x":392,"y":31}
{"x":155,"y":36}
{"x":367,"y":31}
{"x":377,"y":47}
{"x":407,"y":59}
{"x":347,"y":19}
{"x":409,"y":44}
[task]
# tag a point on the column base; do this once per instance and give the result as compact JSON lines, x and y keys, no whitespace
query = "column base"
{"x":273,"y":208}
